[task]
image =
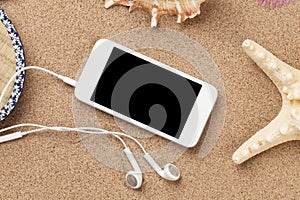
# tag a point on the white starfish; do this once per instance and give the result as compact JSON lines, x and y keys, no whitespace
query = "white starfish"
{"x":286,"y":125}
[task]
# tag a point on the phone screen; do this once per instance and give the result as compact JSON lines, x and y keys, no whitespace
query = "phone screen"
{"x":146,"y":92}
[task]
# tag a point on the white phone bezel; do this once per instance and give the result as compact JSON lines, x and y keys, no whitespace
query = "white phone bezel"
{"x":96,"y":62}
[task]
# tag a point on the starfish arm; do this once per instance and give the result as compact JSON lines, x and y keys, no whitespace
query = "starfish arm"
{"x":279,"y":72}
{"x":278,"y":131}
{"x":286,"y":126}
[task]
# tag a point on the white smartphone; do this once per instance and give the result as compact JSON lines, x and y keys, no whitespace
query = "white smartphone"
{"x":146,"y":93}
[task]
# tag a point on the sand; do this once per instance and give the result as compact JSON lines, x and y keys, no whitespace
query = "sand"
{"x":59,"y":35}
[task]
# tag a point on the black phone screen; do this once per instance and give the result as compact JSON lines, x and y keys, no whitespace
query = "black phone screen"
{"x":146,"y":92}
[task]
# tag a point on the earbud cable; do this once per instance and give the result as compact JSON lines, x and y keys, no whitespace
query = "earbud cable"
{"x":74,"y":129}
{"x":72,"y":83}
{"x":90,"y":130}
{"x":65,"y":79}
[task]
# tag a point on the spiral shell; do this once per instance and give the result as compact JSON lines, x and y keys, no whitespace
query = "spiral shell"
{"x":184,"y":9}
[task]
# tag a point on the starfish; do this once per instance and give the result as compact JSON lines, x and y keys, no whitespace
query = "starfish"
{"x":286,"y":125}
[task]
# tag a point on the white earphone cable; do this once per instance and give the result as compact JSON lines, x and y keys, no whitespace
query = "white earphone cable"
{"x":42,"y":127}
{"x":63,"y":78}
{"x":90,"y":130}
{"x":70,"y":82}
{"x":72,"y":129}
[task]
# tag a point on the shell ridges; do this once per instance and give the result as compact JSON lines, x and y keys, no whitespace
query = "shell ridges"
{"x":184,"y":9}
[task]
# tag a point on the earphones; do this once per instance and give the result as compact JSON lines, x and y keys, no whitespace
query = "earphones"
{"x":134,"y":178}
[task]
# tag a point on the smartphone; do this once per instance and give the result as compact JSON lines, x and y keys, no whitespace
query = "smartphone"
{"x":146,"y":93}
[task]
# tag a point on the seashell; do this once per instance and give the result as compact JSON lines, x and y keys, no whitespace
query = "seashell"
{"x":184,"y":9}
{"x":275,"y":3}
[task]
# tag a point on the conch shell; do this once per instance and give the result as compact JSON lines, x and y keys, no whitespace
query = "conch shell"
{"x":182,"y":8}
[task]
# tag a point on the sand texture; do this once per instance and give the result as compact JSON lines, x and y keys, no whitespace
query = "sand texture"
{"x":59,"y":35}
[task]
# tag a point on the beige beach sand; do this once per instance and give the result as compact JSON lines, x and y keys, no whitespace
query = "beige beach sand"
{"x":59,"y":35}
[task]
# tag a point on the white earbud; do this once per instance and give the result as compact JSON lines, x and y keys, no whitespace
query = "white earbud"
{"x":170,"y":171}
{"x":134,"y":178}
